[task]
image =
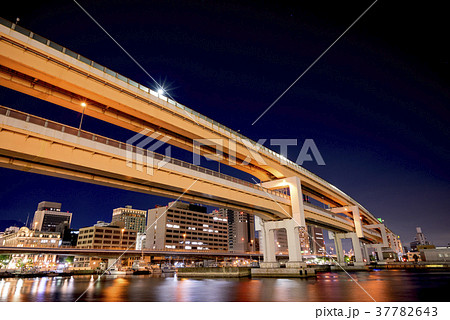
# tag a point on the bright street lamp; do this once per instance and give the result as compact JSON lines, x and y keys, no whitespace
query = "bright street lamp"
{"x":83,"y":104}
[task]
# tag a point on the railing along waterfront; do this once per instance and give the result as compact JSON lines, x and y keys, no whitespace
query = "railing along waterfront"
{"x":19,"y":115}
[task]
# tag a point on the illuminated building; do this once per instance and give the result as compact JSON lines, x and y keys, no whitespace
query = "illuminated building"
{"x":316,"y":241}
{"x":48,"y":216}
{"x":241,"y":230}
{"x":183,"y":226}
{"x":134,"y":219}
{"x":31,"y":238}
{"x":109,"y":236}
{"x":103,"y":236}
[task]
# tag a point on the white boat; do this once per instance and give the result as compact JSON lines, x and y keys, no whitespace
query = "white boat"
{"x":114,"y":271}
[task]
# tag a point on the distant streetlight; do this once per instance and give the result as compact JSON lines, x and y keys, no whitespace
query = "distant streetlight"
{"x":83,"y":104}
{"x":184,"y":240}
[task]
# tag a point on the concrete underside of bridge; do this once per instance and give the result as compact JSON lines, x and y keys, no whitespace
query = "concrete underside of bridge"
{"x":36,"y":153}
{"x":45,"y":73}
{"x":40,"y":71}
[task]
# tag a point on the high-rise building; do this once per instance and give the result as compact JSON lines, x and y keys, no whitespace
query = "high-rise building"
{"x":49,"y":215}
{"x":305,"y":244}
{"x":316,"y":241}
{"x":134,"y":219}
{"x":187,"y":227}
{"x":241,"y":230}
{"x":419,"y":240}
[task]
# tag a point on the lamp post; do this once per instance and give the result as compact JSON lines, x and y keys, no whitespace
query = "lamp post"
{"x":184,"y":240}
{"x":251,"y":249}
{"x":83,"y":104}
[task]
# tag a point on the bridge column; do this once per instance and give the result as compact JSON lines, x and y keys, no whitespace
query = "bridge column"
{"x":356,"y":217}
{"x":293,"y":239}
{"x":379,"y":250}
{"x":383,"y":232}
{"x":291,"y":225}
{"x":270,"y":260}
{"x":379,"y":246}
{"x":365,"y":252}
{"x":295,"y":251}
{"x":356,"y":249}
{"x":355,"y":243}
{"x":338,"y":246}
{"x":295,"y":190}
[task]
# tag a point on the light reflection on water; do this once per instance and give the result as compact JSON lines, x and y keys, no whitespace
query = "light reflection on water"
{"x":382,"y":286}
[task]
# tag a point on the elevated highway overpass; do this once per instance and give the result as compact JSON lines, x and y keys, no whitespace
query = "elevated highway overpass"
{"x":41,"y":68}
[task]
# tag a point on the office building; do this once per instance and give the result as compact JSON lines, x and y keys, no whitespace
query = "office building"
{"x":183,"y":226}
{"x":133,"y":219}
{"x":106,"y":236}
{"x":49,"y":215}
{"x":241,"y":230}
{"x":316,"y":241}
{"x":103,"y":235}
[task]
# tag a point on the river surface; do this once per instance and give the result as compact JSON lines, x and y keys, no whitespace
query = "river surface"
{"x":381,"y":285}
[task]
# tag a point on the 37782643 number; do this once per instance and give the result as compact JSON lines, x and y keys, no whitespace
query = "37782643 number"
{"x":407,"y":311}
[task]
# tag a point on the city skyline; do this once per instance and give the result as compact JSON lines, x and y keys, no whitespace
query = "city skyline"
{"x":394,"y":134}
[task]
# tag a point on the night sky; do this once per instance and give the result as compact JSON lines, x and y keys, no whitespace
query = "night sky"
{"x":376,"y":105}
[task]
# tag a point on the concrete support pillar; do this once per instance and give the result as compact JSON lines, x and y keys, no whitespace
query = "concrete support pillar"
{"x":291,"y":225}
{"x":379,"y":253}
{"x":365,"y":252}
{"x":338,"y":247}
{"x":356,"y":217}
{"x":295,"y":251}
{"x":293,"y":238}
{"x":268,"y":237}
{"x":295,"y":190}
{"x":356,"y":249}
{"x":383,"y":232}
{"x":269,"y":245}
